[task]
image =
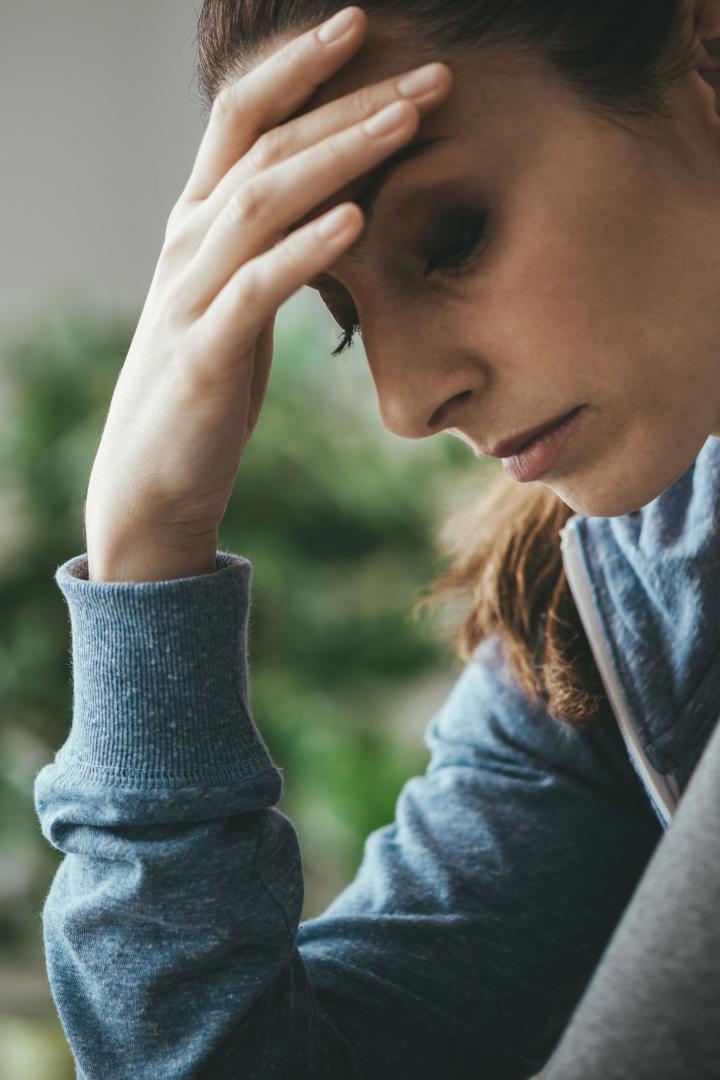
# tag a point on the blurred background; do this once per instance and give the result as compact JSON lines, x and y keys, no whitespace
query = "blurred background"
{"x":100,"y":123}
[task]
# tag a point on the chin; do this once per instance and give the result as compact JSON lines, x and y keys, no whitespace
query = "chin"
{"x":596,"y":504}
{"x":623,"y":489}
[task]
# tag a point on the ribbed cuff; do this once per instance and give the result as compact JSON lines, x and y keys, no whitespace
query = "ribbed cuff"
{"x":160,"y":679}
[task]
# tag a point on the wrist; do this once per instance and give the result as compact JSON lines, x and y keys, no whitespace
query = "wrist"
{"x":142,"y":561}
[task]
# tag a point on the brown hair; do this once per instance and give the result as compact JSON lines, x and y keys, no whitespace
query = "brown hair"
{"x":506,"y":569}
{"x":621,"y":56}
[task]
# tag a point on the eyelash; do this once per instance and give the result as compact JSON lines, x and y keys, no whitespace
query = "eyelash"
{"x":451,"y":260}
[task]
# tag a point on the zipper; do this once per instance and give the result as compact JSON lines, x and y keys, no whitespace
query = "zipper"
{"x":663,"y":790}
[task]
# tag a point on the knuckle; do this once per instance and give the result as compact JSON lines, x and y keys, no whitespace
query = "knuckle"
{"x":225,"y":101}
{"x":244,"y":204}
{"x":174,"y":217}
{"x":247,"y":288}
{"x":174,"y":306}
{"x":368,"y":101}
{"x":298,"y":52}
{"x":171,"y":242}
{"x":268,"y":149}
{"x":285,"y":255}
{"x":178,"y":298}
{"x":179,"y":238}
{"x":336,"y":150}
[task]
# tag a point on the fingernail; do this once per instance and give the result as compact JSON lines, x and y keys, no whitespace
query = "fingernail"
{"x":386,"y":120}
{"x":335,"y":28}
{"x":420,"y":82}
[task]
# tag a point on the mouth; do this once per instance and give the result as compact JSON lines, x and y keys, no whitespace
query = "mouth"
{"x":510,"y":447}
{"x":543,"y":452}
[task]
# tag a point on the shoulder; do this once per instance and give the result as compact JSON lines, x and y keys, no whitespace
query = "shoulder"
{"x":489,"y":724}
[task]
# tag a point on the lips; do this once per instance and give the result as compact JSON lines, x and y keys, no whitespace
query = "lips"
{"x":509,"y":447}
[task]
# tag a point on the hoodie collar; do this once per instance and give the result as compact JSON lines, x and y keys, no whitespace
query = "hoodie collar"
{"x":654,"y":578}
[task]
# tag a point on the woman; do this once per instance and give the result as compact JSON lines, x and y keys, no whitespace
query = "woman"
{"x":547,"y":248}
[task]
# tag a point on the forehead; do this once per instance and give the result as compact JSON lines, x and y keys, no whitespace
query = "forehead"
{"x":381,"y":56}
{"x":493,"y":108}
{"x":491,"y":83}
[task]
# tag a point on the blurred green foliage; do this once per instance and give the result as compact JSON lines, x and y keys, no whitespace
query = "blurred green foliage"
{"x":338,"y":519}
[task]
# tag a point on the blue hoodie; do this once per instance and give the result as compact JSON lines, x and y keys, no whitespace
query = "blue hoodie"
{"x":476,"y":919}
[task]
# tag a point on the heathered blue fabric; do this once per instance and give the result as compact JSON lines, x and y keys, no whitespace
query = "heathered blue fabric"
{"x":656,"y":586}
{"x":476,"y":918}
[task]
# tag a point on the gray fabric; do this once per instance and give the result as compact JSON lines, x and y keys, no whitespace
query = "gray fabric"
{"x":652,"y":1009}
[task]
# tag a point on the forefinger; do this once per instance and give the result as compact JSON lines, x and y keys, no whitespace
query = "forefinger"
{"x":266,"y":95}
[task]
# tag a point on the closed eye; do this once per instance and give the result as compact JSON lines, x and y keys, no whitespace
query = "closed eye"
{"x":466,"y":231}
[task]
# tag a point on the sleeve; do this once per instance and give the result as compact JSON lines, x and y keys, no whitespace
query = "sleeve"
{"x":171,"y":928}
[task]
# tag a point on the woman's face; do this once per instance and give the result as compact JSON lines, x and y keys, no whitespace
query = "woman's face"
{"x":595,"y":281}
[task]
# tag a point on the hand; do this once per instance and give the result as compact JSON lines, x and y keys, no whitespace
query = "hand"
{"x":194,"y":380}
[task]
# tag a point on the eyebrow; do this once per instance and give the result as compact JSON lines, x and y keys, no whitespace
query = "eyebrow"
{"x":367,"y":195}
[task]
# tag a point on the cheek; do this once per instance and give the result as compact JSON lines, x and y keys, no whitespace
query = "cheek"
{"x":592,"y":289}
{"x":601,"y":314}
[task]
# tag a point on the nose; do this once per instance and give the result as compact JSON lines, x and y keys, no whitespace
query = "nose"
{"x":409,"y":415}
{"x":428,"y":372}
{"x":420,"y":395}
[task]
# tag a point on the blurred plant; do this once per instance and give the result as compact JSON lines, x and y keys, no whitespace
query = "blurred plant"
{"x":338,"y":520}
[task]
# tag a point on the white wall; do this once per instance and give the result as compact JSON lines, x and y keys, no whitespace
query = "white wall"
{"x":99,"y":126}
